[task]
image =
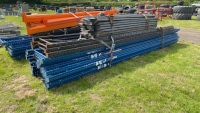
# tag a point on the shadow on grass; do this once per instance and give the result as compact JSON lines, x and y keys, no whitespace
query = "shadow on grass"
{"x":130,"y":65}
{"x":18,"y":61}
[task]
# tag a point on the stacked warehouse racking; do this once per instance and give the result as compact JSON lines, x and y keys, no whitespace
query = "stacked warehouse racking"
{"x":9,"y":29}
{"x":66,"y":47}
{"x":16,"y":46}
{"x":103,"y":42}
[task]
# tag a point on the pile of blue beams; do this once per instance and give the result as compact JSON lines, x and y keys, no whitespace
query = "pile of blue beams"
{"x":16,"y":45}
{"x":62,"y":69}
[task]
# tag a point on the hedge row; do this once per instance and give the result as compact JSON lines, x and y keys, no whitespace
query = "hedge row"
{"x":115,"y":4}
{"x":66,"y":3}
{"x":158,"y":3}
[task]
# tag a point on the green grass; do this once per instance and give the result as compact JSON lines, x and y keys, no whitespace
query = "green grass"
{"x":45,"y":12}
{"x":166,"y":80}
{"x":186,"y":24}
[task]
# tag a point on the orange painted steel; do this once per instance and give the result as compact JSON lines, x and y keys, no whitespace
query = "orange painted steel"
{"x":47,"y":22}
{"x":40,"y":17}
{"x":53,"y":22}
{"x":43,"y":28}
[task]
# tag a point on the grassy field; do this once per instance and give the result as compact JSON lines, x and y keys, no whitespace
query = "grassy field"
{"x":185,"y":24}
{"x":166,"y":80}
{"x":45,"y":12}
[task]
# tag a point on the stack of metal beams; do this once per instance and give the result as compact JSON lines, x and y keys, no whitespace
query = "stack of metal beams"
{"x":62,"y":31}
{"x":9,"y":29}
{"x":48,"y":22}
{"x":62,"y":59}
{"x":16,"y":45}
{"x":101,"y":26}
{"x":54,"y":45}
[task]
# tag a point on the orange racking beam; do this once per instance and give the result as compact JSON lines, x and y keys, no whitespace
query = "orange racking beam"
{"x":47,"y":22}
{"x":43,"y":28}
{"x":40,"y":17}
{"x":53,"y":22}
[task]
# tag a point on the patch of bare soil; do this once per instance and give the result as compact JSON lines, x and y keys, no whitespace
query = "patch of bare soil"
{"x":9,"y":108}
{"x":52,"y":109}
{"x":23,"y":91}
{"x":189,"y":36}
{"x":42,"y":104}
{"x":21,"y":87}
{"x":95,"y":97}
{"x":41,"y":108}
{"x":20,"y":79}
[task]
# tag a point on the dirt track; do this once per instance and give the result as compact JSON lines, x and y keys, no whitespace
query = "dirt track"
{"x":189,"y":36}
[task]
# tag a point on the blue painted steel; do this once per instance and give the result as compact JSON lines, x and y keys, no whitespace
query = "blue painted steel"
{"x":56,"y":68}
{"x":15,"y":40}
{"x":88,"y":57}
{"x":48,"y":61}
{"x":16,"y":45}
{"x":63,"y":69}
{"x":92,"y":70}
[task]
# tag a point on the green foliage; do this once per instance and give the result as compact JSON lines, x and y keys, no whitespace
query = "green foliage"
{"x":133,"y":2}
{"x":189,"y":24}
{"x":67,"y":3}
{"x":114,"y":4}
{"x":101,"y":2}
{"x":14,"y":1}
